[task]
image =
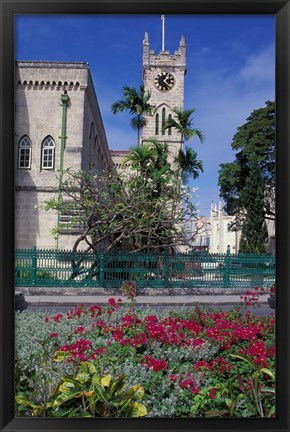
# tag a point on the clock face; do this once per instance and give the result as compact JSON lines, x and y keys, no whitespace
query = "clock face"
{"x":164,"y":81}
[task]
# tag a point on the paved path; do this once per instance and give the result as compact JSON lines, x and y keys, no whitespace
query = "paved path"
{"x":49,"y":300}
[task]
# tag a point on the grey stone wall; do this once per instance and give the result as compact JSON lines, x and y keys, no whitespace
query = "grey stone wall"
{"x":38,"y":114}
{"x":153,"y":64}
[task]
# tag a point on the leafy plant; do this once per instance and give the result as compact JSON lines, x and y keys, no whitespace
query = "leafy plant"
{"x":258,"y":390}
{"x":89,"y":394}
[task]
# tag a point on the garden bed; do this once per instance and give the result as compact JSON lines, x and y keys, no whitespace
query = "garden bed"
{"x":122,"y":361}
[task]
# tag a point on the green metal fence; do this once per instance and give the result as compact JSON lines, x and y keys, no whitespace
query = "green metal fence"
{"x":52,"y":268}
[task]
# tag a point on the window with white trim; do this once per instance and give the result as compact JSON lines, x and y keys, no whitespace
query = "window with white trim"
{"x":47,"y":153}
{"x":24,"y":153}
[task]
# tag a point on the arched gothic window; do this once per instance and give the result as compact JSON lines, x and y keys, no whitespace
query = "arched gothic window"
{"x":24,"y":153}
{"x":157,"y":124}
{"x":163,"y":120}
{"x":47,"y":153}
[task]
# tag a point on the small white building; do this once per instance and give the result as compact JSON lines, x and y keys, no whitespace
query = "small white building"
{"x":221,"y":235}
{"x":201,"y":233}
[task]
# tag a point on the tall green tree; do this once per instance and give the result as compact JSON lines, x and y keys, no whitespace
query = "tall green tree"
{"x":253,"y":140}
{"x":136,"y":102}
{"x":183,"y":124}
{"x":254,"y":230}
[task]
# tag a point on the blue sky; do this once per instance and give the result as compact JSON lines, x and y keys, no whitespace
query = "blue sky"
{"x":230,"y":70}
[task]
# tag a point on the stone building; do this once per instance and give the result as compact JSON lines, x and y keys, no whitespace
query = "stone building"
{"x":58,"y":125}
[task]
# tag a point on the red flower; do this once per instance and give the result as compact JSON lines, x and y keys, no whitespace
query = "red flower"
{"x":118,"y":335}
{"x":198,"y":342}
{"x":186,"y":383}
{"x":151,"y":319}
{"x":172,"y":378}
{"x":95,"y":310}
{"x":200,"y":365}
{"x":112,"y":302}
{"x":57,"y":317}
{"x":212,"y":393}
{"x":194,"y":389}
{"x":53,"y":334}
{"x":155,"y":364}
{"x":100,"y":351}
{"x":221,"y":365}
{"x":79,"y":330}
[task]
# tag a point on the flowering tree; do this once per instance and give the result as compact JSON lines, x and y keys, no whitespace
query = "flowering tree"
{"x":134,"y":212}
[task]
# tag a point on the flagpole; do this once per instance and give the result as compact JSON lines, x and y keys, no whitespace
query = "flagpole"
{"x":163,"y":32}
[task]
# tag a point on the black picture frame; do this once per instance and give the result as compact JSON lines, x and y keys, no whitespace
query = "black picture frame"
{"x":9,"y":9}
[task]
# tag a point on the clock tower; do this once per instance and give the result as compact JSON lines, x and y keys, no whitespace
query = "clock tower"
{"x":163,"y":77}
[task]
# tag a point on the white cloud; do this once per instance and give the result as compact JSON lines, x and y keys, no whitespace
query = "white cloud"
{"x":224,"y":98}
{"x":259,"y":67}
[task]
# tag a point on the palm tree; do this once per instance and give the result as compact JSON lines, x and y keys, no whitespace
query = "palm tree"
{"x":151,"y":161}
{"x":136,"y":102}
{"x":151,"y":157}
{"x":183,"y":125}
{"x":140,"y":157}
{"x":188,"y":164}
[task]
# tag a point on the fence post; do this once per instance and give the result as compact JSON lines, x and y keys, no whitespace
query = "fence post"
{"x":166,"y":269}
{"x":102,"y":269}
{"x":227,"y":269}
{"x":34,"y":265}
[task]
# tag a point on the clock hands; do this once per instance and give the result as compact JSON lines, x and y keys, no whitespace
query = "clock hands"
{"x":165,"y":81}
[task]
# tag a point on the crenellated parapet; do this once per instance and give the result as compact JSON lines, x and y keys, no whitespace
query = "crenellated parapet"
{"x":53,"y":85}
{"x":164,"y":58}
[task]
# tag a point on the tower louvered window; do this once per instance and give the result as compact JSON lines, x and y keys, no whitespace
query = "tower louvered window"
{"x":47,"y":153}
{"x":169,"y":129}
{"x":24,"y":153}
{"x":163,"y":120}
{"x":157,"y":124}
